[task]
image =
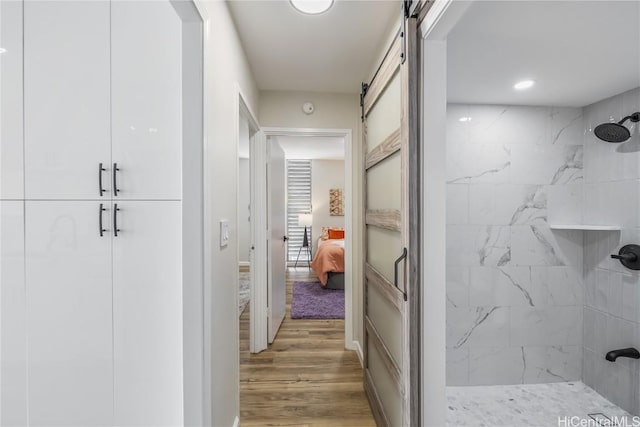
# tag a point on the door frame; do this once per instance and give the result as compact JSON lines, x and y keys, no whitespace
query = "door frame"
{"x":349,"y":179}
{"x":438,"y":22}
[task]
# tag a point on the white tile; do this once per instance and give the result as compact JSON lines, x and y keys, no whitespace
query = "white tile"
{"x":595,"y":329}
{"x":457,"y":286}
{"x":472,"y":245}
{"x":496,"y":366}
{"x":630,"y":307}
{"x":556,"y":286}
{"x":527,"y":405}
{"x":546,"y":164}
{"x":539,"y":245}
{"x":564,"y":204}
{"x":601,"y":290}
{"x":622,"y":333}
{"x":545,"y":364}
{"x":457,"y":366}
{"x":507,"y":204}
{"x":503,"y":286}
{"x":477,"y":327}
{"x":567,"y":126}
{"x":532,"y":326}
{"x":457,"y":204}
{"x":478,"y":163}
{"x":512,"y":124}
{"x":457,"y":130}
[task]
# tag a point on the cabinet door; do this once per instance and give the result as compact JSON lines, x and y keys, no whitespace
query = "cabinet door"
{"x":147,"y":99}
{"x":69,"y":312}
{"x":11,"y":125}
{"x":147,"y":280}
{"x":13,"y":374}
{"x":66,"y":96}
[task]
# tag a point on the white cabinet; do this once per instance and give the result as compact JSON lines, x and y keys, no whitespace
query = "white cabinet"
{"x":13,"y":381}
{"x":147,"y":292}
{"x":69,"y":314}
{"x":91,"y":322}
{"x":11,"y":126}
{"x":147,"y":99}
{"x":66,"y":98}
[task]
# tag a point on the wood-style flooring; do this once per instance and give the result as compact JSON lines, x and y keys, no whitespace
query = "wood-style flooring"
{"x":305,"y":378}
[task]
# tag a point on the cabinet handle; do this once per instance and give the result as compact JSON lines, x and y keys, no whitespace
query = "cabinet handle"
{"x":115,"y":179}
{"x":102,"y":209}
{"x":100,"y":170}
{"x":116,"y":209}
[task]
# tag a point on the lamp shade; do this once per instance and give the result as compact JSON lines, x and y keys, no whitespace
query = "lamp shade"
{"x":305,"y":220}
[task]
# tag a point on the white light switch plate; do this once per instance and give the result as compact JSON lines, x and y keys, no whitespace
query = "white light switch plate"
{"x":224,"y":233}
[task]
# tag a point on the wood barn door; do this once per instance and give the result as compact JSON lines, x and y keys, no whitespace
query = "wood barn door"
{"x":391,"y":296}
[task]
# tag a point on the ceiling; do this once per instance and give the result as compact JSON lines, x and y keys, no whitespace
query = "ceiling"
{"x":578,"y":52}
{"x":331,"y":52}
{"x":307,"y":147}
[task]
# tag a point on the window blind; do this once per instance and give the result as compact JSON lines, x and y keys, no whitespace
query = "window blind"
{"x":298,"y":202}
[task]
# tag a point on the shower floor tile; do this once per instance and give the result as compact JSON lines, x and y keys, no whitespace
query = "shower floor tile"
{"x":538,"y":405}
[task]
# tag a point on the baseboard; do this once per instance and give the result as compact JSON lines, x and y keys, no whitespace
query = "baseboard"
{"x":236,"y":422}
{"x":358,"y":349}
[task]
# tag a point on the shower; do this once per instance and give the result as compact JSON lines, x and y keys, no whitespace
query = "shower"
{"x":616,"y":132}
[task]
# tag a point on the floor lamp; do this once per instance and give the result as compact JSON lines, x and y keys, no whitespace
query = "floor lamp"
{"x":306,"y":220}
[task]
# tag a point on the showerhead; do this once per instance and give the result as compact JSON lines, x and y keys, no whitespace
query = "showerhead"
{"x":616,"y":132}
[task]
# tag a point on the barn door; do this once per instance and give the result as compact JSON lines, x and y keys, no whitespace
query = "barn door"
{"x":391,"y":297}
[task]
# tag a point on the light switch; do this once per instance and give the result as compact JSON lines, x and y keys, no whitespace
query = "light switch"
{"x":224,"y":233}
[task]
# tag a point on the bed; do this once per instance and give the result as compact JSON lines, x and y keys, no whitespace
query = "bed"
{"x":328,"y":263}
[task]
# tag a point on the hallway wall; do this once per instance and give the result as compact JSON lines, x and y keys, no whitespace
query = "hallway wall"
{"x":332,"y":111}
{"x":226,"y":68}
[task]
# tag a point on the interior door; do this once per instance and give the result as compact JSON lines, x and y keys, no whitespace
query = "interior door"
{"x":69,"y":314}
{"x":391,"y":287}
{"x":147,"y":100}
{"x":66,"y":98}
{"x":277,"y":228}
{"x":147,"y":313}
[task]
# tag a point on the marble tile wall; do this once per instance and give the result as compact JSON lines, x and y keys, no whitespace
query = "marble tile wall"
{"x":514,"y":286}
{"x":612,"y":292}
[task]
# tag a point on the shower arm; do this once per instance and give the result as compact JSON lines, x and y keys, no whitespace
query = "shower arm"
{"x":635,"y":117}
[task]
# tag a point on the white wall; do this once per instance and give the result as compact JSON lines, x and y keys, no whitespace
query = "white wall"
{"x":325,"y":175}
{"x":244,"y":214}
{"x":332,"y":111}
{"x":225,"y":67}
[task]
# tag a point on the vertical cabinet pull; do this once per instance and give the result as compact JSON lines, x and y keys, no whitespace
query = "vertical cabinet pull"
{"x":115,"y":179}
{"x":116,"y":209}
{"x":395,"y":272}
{"x":100,"y":170}
{"x":102,"y":229}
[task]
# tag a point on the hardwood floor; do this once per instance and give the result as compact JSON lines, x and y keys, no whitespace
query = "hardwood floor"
{"x":305,"y":378}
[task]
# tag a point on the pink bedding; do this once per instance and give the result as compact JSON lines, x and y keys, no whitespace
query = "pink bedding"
{"x":329,"y":258}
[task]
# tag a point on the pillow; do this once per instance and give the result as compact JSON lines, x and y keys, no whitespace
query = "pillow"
{"x":325,"y":233}
{"x":335,"y":233}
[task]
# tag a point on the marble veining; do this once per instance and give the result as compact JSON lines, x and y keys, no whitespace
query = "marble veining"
{"x":571,"y":170}
{"x":533,"y":208}
{"x":482,"y":315}
{"x":537,"y":405}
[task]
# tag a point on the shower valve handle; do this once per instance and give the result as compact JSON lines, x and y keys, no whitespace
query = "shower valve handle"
{"x":625,"y":257}
{"x":629,"y":256}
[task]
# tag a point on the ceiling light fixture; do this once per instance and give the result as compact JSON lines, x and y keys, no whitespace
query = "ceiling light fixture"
{"x":2,"y":50}
{"x":524,"y":84}
{"x":312,"y":7}
{"x":464,"y":119}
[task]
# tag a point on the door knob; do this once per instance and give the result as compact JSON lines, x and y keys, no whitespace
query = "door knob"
{"x":285,"y":238}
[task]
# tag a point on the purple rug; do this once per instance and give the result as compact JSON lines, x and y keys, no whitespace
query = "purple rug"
{"x":312,"y":301}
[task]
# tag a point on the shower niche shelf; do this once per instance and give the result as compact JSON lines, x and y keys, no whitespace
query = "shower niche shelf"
{"x":585,"y":227}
